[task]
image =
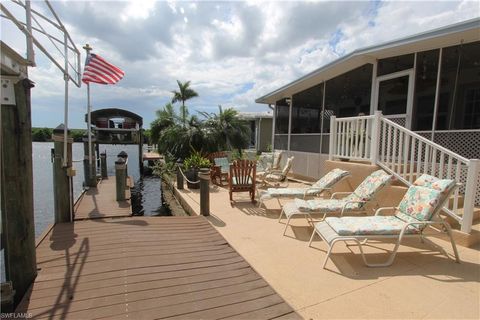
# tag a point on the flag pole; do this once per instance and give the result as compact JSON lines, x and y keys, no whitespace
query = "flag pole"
{"x":89,"y":109}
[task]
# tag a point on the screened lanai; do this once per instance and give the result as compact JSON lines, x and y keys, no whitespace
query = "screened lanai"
{"x":429,"y":83}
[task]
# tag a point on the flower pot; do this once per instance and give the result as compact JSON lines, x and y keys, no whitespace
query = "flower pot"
{"x":192,"y":175}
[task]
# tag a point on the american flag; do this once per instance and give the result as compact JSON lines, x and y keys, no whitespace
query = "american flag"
{"x":100,"y":71}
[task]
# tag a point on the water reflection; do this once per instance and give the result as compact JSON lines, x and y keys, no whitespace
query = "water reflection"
{"x":147,"y":198}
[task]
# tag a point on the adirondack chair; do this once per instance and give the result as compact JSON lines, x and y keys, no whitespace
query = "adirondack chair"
{"x":242,"y":177}
{"x":220,"y":166}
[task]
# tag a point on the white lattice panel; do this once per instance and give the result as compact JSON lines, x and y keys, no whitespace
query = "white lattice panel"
{"x":464,"y":143}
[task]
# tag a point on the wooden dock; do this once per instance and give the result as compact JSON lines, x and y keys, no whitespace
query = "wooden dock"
{"x":146,"y":268}
{"x":151,"y":156}
{"x":100,"y":202}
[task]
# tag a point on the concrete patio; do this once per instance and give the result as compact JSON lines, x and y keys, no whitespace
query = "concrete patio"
{"x":422,"y":282}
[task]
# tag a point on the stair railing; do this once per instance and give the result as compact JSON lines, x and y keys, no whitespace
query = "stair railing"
{"x":406,"y":155}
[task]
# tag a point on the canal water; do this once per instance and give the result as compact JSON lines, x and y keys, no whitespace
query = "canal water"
{"x":147,"y":196}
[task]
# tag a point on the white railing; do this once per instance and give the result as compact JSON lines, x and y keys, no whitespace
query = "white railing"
{"x":352,"y":138}
{"x":406,"y":155}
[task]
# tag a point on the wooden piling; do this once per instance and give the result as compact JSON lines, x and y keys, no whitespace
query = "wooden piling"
{"x":17,"y":190}
{"x":62,"y":197}
{"x":140,"y":151}
{"x":121,"y":178}
{"x":89,"y":167}
{"x":204,"y":176}
{"x":103,"y":164}
{"x":179,"y":176}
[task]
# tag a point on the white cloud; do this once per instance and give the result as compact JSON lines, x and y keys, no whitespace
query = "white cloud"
{"x":137,"y":9}
{"x":232,"y":52}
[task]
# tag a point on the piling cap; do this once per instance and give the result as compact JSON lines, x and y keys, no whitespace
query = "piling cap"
{"x":60,"y":129}
{"x":122,"y":154}
{"x":85,"y":137}
{"x":120,"y":161}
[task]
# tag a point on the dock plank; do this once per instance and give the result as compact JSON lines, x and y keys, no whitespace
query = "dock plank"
{"x":100,"y":202}
{"x":146,"y":268}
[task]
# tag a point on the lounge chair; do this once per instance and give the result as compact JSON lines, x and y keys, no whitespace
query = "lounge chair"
{"x":269,"y":161}
{"x":277,"y":178}
{"x":420,"y":205}
{"x":242,"y":178}
{"x":353,"y":203}
{"x":322,"y":185}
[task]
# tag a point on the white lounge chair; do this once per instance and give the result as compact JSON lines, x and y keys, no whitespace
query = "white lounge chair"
{"x":353,"y":203}
{"x":422,"y":202}
{"x":324,"y":184}
{"x":277,"y":178}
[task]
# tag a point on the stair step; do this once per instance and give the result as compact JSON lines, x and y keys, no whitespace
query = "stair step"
{"x":467,"y":239}
{"x":459,"y":212}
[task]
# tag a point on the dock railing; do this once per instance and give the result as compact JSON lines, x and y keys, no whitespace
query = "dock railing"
{"x":406,"y":155}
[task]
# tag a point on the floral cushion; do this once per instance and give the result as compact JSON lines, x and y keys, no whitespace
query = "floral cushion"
{"x":442,"y":185}
{"x":277,"y":156}
{"x":222,"y":163}
{"x":420,"y":202}
{"x":326,"y":205}
{"x":372,"y":184}
{"x":275,"y":177}
{"x":288,"y":166}
{"x":373,"y":225}
{"x":328,"y":180}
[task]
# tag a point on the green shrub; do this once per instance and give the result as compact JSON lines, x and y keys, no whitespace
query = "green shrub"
{"x":196,"y":160}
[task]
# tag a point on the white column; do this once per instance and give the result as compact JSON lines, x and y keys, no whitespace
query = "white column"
{"x":437,"y":94}
{"x":373,"y":92}
{"x":470,"y":190}
{"x":375,"y":137}
{"x":322,"y":112}
{"x":333,"y":135}
{"x":273,"y":125}
{"x":289,"y":122}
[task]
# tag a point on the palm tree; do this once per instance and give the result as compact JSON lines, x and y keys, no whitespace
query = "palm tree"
{"x":184,"y":93}
{"x":165,"y":118}
{"x":227,"y":130}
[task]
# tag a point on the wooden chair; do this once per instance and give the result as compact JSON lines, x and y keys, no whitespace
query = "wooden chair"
{"x":242,"y":177}
{"x":220,"y":166}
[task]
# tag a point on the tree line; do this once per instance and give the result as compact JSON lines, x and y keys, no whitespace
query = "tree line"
{"x":45,"y":134}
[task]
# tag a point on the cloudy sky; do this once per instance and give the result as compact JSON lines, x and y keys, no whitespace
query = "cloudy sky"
{"x":232,"y":52}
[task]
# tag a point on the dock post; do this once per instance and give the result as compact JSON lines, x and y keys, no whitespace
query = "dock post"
{"x":121,"y":178}
{"x":179,"y":175}
{"x":103,"y":164}
{"x":89,"y":167}
{"x":140,"y":151}
{"x":16,"y":184}
{"x":97,"y":154}
{"x":124,"y":156}
{"x":204,"y":176}
{"x":62,"y":197}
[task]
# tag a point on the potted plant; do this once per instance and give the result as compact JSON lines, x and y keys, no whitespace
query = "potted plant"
{"x":191,"y":165}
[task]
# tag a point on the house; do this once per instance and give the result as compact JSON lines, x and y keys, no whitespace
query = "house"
{"x":261,"y":125}
{"x":427,"y":87}
{"x":400,"y":79}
